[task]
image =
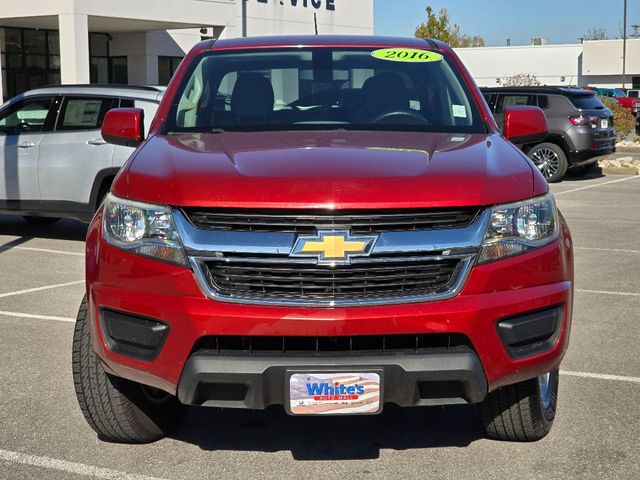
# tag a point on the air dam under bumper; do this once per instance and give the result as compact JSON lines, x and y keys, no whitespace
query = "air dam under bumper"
{"x":256,"y":382}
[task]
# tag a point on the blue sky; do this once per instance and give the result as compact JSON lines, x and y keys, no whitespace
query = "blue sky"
{"x":561,"y":21}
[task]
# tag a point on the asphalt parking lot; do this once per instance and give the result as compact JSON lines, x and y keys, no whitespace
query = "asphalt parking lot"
{"x":596,"y":435}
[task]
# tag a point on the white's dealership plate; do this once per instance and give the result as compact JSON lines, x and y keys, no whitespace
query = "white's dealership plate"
{"x":604,"y":123}
{"x":334,"y":393}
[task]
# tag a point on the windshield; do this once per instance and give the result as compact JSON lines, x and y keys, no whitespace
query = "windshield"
{"x":323,"y":89}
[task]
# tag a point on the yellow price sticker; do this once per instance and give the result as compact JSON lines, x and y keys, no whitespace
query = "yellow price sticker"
{"x":407,"y":55}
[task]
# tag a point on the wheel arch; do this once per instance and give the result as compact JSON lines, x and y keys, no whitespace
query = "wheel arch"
{"x":553,"y":137}
{"x":103,"y":178}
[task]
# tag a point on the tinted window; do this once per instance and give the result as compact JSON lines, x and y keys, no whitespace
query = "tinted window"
{"x":323,"y":88}
{"x":587,"y":102}
{"x":83,"y":113}
{"x":512,"y":100}
{"x":26,"y":116}
{"x":543,"y":101}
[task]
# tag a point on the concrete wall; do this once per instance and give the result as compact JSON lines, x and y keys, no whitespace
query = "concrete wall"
{"x":259,"y":17}
{"x":171,"y":11}
{"x":141,"y":29}
{"x":286,"y":17}
{"x":602,"y":58}
{"x":595,"y":63}
{"x":551,"y":64}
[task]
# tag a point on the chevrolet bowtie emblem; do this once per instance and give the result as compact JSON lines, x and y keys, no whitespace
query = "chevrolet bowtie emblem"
{"x":332,"y":246}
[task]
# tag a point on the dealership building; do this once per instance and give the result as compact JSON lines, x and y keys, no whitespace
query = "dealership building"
{"x":47,"y":42}
{"x":595,"y":63}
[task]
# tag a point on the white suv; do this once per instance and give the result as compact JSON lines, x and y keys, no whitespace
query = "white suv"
{"x":53,"y":161}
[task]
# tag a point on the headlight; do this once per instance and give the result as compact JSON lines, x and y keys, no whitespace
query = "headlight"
{"x":518,"y":227}
{"x":143,"y":229}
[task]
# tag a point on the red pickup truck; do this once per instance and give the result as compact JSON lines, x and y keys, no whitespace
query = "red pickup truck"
{"x":328,"y":224}
{"x":619,"y":95}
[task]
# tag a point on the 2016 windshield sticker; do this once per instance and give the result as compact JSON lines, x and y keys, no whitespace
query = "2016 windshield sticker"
{"x":406,"y":55}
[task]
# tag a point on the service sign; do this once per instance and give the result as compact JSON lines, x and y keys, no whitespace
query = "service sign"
{"x":329,"y":5}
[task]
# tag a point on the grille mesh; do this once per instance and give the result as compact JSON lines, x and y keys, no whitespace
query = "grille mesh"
{"x":375,"y":278}
{"x":358,"y":221}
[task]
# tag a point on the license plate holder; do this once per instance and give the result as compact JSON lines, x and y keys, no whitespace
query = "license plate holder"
{"x":321,"y":393}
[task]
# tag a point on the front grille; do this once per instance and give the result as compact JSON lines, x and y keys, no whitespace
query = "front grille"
{"x":308,"y":221}
{"x":355,"y":345}
{"x":281,"y":279}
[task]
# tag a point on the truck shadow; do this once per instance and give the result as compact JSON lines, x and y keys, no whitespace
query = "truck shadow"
{"x":330,"y":438}
{"x":61,"y":230}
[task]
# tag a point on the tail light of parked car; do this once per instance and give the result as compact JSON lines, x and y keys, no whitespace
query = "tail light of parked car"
{"x":585,"y":120}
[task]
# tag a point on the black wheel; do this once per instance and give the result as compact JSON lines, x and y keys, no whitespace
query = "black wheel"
{"x":523,"y":412}
{"x":118,"y":410}
{"x":550,"y":160}
{"x":582,"y":170}
{"x":41,"y":221}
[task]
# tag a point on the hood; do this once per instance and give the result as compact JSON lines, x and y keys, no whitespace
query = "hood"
{"x":344,"y":169}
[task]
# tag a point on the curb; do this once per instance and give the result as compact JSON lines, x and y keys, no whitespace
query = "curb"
{"x":620,"y":171}
{"x":628,"y":150}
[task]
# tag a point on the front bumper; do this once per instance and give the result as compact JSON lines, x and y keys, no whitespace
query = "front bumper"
{"x":257,"y":382}
{"x":123,"y":282}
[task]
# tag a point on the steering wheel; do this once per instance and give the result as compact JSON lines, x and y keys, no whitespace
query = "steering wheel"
{"x":23,"y":126}
{"x":398,"y":114}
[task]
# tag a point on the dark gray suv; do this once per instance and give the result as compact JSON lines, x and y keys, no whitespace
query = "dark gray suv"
{"x":580,"y":127}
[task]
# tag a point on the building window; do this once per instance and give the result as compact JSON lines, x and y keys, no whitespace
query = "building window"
{"x":30,"y":59}
{"x":167,"y":66}
{"x":99,"y":58}
{"x":119,"y":70}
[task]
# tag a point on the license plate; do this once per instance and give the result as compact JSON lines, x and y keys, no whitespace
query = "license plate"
{"x":334,"y":393}
{"x":604,"y":123}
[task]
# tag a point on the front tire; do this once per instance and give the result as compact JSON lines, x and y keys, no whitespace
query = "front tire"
{"x":523,"y":412}
{"x":550,"y":160}
{"x":118,"y":410}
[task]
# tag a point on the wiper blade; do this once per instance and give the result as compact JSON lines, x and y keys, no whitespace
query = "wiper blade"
{"x":187,"y":132}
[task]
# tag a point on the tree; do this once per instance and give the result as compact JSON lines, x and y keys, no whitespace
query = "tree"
{"x":522,"y":80}
{"x":438,"y":26}
{"x":596,"y":34}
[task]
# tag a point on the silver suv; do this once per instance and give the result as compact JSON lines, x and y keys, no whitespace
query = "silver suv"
{"x":53,"y":161}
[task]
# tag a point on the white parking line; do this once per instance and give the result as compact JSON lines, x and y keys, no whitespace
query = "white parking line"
{"x":43,"y":250}
{"x":39,"y":289}
{"x":37,"y":317}
{"x":616,"y":250}
{"x":607,"y":292}
{"x":70,"y":467}
{"x":601,"y":376}
{"x":594,"y":185}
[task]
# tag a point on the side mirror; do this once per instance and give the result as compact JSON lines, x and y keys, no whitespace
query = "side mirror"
{"x":124,"y":126}
{"x":524,"y":124}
